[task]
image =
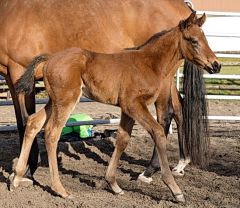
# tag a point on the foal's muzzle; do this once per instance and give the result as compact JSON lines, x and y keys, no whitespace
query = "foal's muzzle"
{"x":216,"y":67}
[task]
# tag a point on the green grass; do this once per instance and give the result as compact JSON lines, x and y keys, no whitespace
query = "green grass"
{"x":229,"y":59}
{"x":230,"y":70}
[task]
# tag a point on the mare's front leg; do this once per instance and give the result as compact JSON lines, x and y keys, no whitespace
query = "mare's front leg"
{"x":184,"y":158}
{"x":144,"y":117}
{"x":123,"y":137}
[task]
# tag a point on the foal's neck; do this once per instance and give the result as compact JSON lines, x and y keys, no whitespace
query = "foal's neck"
{"x":165,"y":52}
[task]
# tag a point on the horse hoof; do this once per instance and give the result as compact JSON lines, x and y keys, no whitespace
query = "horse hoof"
{"x":180,"y":198}
{"x":176,"y":172}
{"x":120,"y":193}
{"x":13,"y":185}
{"x":145,"y":179}
{"x":15,"y":182}
{"x":116,"y":189}
{"x":70,"y":196}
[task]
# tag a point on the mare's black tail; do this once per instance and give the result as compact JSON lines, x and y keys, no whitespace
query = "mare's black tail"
{"x":195,"y":113}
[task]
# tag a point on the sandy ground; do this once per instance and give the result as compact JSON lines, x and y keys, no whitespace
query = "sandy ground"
{"x":83,"y":165}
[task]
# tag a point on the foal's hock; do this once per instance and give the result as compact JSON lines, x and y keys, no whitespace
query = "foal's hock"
{"x":131,"y":80}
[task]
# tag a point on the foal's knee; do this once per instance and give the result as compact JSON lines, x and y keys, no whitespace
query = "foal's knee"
{"x":159,"y":137}
{"x":32,"y":125}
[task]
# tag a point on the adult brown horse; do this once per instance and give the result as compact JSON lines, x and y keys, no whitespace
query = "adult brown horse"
{"x":34,"y":27}
{"x":132,"y":80}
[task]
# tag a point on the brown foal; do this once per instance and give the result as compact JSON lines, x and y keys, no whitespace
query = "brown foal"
{"x":132,"y":80}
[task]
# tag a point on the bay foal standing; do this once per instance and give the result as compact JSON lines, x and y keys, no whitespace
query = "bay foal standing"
{"x":132,"y":80}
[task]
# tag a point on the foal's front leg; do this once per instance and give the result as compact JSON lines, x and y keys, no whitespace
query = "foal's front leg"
{"x":123,"y":137}
{"x":143,"y":116}
{"x":174,"y":110}
{"x":164,"y":117}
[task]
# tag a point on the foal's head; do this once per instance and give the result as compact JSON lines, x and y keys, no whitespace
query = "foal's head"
{"x":194,"y":45}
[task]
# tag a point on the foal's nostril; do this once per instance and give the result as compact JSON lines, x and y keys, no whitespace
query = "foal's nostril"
{"x":216,"y":66}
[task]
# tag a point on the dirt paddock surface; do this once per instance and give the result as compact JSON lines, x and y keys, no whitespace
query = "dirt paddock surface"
{"x":82,"y":166}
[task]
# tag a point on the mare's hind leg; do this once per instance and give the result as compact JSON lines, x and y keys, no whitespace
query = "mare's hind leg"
{"x":62,"y":107}
{"x":35,"y":123}
{"x":143,"y":116}
{"x":123,"y":137}
{"x":184,"y":159}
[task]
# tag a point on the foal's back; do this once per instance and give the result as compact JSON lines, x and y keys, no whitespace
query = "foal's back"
{"x":108,"y":78}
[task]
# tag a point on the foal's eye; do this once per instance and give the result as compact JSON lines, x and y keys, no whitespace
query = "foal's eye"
{"x":194,"y":42}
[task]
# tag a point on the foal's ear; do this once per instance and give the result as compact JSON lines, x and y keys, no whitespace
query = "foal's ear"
{"x":184,"y":24}
{"x":200,"y":21}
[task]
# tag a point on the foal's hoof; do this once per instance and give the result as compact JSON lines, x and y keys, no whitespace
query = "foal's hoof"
{"x":70,"y":196}
{"x":180,"y":198}
{"x":62,"y":194}
{"x":116,"y":189}
{"x":119,"y":193}
{"x":145,"y":179}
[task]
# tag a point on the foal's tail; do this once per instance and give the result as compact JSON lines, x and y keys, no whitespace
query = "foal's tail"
{"x":26,"y":82}
{"x":195,"y":113}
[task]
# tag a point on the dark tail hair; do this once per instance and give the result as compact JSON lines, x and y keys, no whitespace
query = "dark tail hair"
{"x":26,"y":82}
{"x":195,"y":111}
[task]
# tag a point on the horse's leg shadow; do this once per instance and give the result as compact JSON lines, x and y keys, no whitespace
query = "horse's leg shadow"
{"x":82,"y":148}
{"x":106,"y":146}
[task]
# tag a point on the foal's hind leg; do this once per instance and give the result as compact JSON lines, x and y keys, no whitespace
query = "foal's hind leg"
{"x":34,"y":124}
{"x":62,"y":107}
{"x":143,"y":116}
{"x":123,"y":137}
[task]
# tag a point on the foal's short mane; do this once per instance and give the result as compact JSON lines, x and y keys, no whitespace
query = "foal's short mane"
{"x":150,"y":40}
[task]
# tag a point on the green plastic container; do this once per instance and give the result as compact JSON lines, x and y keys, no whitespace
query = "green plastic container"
{"x":83,"y":131}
